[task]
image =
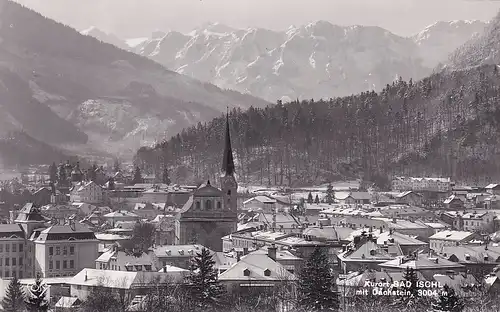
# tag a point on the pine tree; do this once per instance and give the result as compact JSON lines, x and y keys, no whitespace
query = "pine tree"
{"x":316,"y":200}
{"x":137,"y":176}
{"x":448,"y":301}
{"x":14,"y":297}
{"x":36,"y":300}
{"x":310,"y":198}
{"x":330,"y":194}
{"x":206,"y":291}
{"x":166,"y":178}
{"x":411,"y":276}
{"x":53,"y":173}
{"x":62,"y":178}
{"x":316,"y":284}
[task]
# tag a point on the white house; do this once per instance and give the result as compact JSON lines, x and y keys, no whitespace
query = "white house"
{"x":260,"y":202}
{"x":89,"y":192}
{"x":449,"y":238}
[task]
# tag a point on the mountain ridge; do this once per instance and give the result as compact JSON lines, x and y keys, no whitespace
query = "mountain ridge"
{"x":77,"y":82}
{"x":314,"y":60}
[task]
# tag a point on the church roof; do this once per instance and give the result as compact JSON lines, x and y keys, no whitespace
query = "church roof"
{"x":207,"y":190}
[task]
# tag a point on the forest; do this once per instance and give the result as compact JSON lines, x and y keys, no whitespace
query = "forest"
{"x":444,"y":125}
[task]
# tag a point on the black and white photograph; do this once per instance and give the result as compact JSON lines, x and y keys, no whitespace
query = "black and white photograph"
{"x":249,"y":155}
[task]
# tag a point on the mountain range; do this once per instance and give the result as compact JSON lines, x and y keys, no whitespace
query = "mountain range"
{"x":446,"y":124}
{"x":318,"y":60}
{"x":90,"y":98}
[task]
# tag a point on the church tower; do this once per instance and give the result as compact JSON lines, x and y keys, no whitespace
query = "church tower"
{"x":229,"y":186}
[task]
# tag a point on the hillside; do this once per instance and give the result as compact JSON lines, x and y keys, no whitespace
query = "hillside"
{"x":482,"y":50}
{"x":318,"y":60}
{"x":77,"y":92}
{"x":444,"y":125}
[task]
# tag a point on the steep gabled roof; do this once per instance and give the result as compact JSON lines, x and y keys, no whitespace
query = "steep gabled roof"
{"x":256,"y":264}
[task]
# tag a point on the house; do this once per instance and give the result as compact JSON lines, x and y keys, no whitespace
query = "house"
{"x":175,"y":255}
{"x":127,"y":284}
{"x":256,"y":270}
{"x":407,"y":243}
{"x":89,"y":192}
{"x":260,"y":203}
{"x":15,"y":257}
{"x":288,"y":260}
{"x":427,"y":264}
{"x":478,"y":221}
{"x":67,"y":304}
{"x":454,"y":202}
{"x":478,"y":259}
{"x":410,"y":198}
{"x":59,"y":213}
{"x":450,"y":238}
{"x":493,"y":189}
{"x":121,"y":216}
{"x":421,"y":184}
{"x":365,"y":254}
{"x":119,"y":260}
{"x":353,"y":198}
{"x":42,"y":197}
{"x":149,"y":210}
{"x":462,"y":283}
{"x":63,"y":250}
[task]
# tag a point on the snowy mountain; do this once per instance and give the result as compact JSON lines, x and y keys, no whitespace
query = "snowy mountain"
{"x":73,"y":92}
{"x":105,"y":37}
{"x":318,"y":60}
{"x":438,"y":40}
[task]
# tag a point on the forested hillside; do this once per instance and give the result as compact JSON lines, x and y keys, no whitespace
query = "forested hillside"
{"x":444,"y":125}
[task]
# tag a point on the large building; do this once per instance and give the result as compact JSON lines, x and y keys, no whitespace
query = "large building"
{"x":211,"y":213}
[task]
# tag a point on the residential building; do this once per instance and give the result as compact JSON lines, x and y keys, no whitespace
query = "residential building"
{"x":477,"y":259}
{"x":119,"y":260}
{"x":427,"y":264}
{"x":493,"y":189}
{"x":454,"y":202}
{"x":63,"y":250}
{"x":126,"y":284}
{"x":260,"y":203}
{"x":410,"y":198}
{"x":14,"y":254}
{"x":449,"y":238}
{"x":256,"y":270}
{"x":407,"y":243}
{"x":175,"y":255}
{"x":121,"y":216}
{"x":477,"y":221}
{"x":88,"y":192}
{"x":421,"y":184}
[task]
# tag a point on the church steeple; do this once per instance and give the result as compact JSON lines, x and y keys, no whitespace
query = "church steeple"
{"x":228,"y":161}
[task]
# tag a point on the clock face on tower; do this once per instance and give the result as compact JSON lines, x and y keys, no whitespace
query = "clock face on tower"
{"x":229,"y":182}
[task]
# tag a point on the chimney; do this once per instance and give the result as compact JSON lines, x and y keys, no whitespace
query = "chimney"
{"x":86,"y":275}
{"x":381,"y":230}
{"x":238,"y":257}
{"x":245,"y":251}
{"x":271,"y":252}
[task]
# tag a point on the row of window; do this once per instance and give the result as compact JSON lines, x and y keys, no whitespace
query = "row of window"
{"x":64,"y":250}
{"x":14,"y":273}
{"x":8,"y":262}
{"x":64,"y":264}
{"x":208,"y":205}
{"x":13,"y":247}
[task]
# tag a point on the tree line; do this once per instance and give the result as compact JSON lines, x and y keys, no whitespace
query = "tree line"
{"x":445,"y":125}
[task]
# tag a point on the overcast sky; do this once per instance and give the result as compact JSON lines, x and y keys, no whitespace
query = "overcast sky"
{"x":135,"y":18}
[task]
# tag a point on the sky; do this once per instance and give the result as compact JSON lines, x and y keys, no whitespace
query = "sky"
{"x":139,"y":18}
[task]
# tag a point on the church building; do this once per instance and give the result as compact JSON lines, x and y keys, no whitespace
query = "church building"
{"x":211,"y":213}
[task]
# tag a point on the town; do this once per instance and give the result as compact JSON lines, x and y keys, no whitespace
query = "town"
{"x":115,"y":229}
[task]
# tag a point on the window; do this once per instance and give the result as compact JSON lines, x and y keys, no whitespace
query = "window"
{"x":7,"y":248}
{"x":1,"y":262}
{"x":71,"y":250}
{"x":58,"y":264}
{"x":71,"y":264}
{"x":20,"y":274}
{"x":7,"y":261}
{"x":51,"y":251}
{"x":21,"y":247}
{"x":58,"y":251}
{"x":65,"y":264}
{"x":65,"y":250}
{"x":267,"y":272}
{"x":14,"y":247}
{"x":208,"y":204}
{"x":219,"y":205}
{"x":246,"y":272}
{"x":229,"y":192}
{"x":14,"y":261}
{"x":20,"y":261}
{"x":7,"y":273}
{"x":14,"y":273}
{"x":1,"y":247}
{"x":198,"y":205}
{"x":51,"y":265}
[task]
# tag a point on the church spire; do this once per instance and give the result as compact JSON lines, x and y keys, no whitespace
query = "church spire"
{"x":227,"y":161}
